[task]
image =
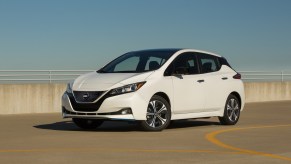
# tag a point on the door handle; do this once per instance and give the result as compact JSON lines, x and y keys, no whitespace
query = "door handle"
{"x":224,"y":78}
{"x":200,"y":81}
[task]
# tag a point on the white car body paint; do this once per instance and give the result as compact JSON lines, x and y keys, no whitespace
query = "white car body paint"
{"x":188,"y":98}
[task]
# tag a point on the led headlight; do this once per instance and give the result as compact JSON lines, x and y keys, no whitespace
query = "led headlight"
{"x":127,"y":88}
{"x":69,"y":87}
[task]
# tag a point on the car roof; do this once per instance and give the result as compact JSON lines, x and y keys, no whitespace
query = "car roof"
{"x":181,"y":50}
{"x":199,"y":51}
{"x":173,"y":50}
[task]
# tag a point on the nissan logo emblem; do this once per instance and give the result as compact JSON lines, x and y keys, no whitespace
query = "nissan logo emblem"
{"x":86,"y":96}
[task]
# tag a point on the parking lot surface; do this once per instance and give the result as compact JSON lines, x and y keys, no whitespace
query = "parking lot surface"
{"x":263,"y":135}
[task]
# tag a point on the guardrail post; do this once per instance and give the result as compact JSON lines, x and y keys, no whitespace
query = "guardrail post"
{"x":282,"y":76}
{"x":50,"y":76}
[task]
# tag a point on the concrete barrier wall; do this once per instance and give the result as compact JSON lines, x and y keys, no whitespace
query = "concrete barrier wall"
{"x":30,"y":98}
{"x":46,"y":98}
{"x":267,"y":91}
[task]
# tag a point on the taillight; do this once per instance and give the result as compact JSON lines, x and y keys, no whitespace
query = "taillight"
{"x":237,"y":76}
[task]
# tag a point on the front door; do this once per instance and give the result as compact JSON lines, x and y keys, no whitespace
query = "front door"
{"x":188,"y":84}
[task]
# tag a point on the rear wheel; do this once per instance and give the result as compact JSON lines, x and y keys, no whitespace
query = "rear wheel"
{"x":158,"y":114}
{"x":87,"y":124}
{"x":231,"y":111}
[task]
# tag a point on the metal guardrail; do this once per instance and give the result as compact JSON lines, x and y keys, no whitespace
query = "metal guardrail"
{"x":266,"y":75}
{"x":55,"y":76}
{"x":39,"y":76}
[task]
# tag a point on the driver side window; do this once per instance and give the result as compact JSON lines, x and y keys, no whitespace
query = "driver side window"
{"x":184,"y":64}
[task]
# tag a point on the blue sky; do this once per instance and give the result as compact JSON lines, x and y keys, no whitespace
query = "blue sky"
{"x":75,"y":34}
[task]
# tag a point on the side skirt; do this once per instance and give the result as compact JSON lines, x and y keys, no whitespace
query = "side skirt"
{"x":197,"y":115}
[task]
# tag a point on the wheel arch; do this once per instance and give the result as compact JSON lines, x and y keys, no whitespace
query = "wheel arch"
{"x":237,"y":95}
{"x":163,"y":95}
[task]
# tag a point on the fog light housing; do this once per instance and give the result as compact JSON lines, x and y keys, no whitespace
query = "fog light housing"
{"x":126,"y":111}
{"x":123,"y":111}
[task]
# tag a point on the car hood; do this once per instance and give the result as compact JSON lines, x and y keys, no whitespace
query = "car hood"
{"x":104,"y":81}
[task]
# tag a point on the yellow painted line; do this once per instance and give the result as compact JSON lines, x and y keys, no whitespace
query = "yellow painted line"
{"x":212,"y":138}
{"x":116,"y":150}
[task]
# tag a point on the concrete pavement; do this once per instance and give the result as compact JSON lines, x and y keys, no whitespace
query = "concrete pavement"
{"x":263,"y":135}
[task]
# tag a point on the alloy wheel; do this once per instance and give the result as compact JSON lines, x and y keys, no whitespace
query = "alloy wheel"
{"x":233,"y":110}
{"x":156,"y":114}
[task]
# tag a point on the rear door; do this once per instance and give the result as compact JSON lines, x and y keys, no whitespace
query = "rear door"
{"x":214,"y":82}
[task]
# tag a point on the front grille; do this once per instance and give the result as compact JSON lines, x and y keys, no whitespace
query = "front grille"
{"x":87,"y":96}
{"x":86,"y":106}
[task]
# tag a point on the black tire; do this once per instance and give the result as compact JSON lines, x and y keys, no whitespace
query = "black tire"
{"x":158,"y":117}
{"x":231,"y":111}
{"x":87,"y":124}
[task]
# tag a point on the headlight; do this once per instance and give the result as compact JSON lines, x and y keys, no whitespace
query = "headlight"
{"x":69,"y":87}
{"x":126,"y":89}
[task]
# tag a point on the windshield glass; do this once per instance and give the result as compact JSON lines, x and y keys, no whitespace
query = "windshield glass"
{"x":136,"y":62}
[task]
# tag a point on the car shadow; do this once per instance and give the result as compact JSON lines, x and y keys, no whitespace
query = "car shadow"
{"x":121,"y":126}
{"x":178,"y":124}
{"x":107,"y":126}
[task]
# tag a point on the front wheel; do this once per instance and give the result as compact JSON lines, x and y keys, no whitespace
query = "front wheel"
{"x":87,"y":124}
{"x":231,"y":111}
{"x":158,"y":115}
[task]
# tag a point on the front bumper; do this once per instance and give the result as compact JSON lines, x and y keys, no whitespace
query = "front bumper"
{"x":107,"y":108}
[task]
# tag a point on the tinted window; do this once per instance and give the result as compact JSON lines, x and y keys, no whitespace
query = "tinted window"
{"x":154,"y":61}
{"x":223,"y":61}
{"x":139,"y":61}
{"x":185,"y":63}
{"x":128,"y":65}
{"x":208,"y":63}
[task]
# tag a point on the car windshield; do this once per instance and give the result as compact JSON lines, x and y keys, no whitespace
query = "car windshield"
{"x":137,"y":62}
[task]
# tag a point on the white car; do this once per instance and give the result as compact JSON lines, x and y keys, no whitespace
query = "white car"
{"x":154,"y":87}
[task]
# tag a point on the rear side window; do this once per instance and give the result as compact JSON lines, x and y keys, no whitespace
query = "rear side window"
{"x":223,"y":61}
{"x":208,"y":63}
